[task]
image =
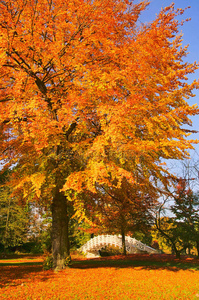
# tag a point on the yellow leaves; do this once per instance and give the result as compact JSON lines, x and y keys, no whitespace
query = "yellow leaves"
{"x":74,"y":182}
{"x":36,"y":181}
{"x":99,"y":173}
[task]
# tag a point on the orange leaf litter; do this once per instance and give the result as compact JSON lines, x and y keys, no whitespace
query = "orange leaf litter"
{"x":100,"y":281}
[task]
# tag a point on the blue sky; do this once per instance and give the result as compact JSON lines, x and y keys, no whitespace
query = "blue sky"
{"x":190,"y":32}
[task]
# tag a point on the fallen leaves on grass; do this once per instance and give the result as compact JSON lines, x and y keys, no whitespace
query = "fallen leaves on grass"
{"x":105,"y":278}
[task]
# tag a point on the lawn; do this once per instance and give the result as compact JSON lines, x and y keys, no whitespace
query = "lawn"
{"x":118,"y":277}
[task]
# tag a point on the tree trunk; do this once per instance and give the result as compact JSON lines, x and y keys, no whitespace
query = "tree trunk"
{"x":60,"y":236}
{"x":123,"y":241}
{"x":177,"y":252}
{"x":189,"y":250}
{"x":5,"y":238}
{"x":197,"y":246}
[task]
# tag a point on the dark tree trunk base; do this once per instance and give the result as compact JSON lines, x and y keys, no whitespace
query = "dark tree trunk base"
{"x":123,"y":242}
{"x":60,"y":239}
{"x":178,"y":254}
{"x":197,"y":246}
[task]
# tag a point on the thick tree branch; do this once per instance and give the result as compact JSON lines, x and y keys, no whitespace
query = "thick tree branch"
{"x":70,"y":130}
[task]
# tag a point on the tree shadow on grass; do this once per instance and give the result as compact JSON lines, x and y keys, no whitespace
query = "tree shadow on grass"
{"x":19,"y":256}
{"x":8,"y":264}
{"x":14,"y":274}
{"x":154,"y":262}
{"x":18,"y":274}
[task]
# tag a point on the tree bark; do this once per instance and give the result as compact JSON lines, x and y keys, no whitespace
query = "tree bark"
{"x":177,"y":252}
{"x":197,"y":246}
{"x":123,"y":241}
{"x":7,"y":224}
{"x":60,"y":235}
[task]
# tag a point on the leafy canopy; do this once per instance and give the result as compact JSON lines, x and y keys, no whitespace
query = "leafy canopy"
{"x":88,"y":95}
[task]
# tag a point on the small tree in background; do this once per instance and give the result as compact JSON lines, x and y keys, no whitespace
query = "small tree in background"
{"x":125,"y":209}
{"x":186,"y":211}
{"x":179,"y":226}
{"x":168,"y":234}
{"x":14,"y":217}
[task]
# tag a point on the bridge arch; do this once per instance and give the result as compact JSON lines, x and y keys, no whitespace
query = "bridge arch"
{"x":92,"y":247}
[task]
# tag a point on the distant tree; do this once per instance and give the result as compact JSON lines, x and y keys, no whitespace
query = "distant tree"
{"x":186,"y":211}
{"x":80,"y":233}
{"x":144,"y":235}
{"x":168,"y":234}
{"x":39,"y":228}
{"x":179,"y":226}
{"x":125,"y":209}
{"x":14,"y":217}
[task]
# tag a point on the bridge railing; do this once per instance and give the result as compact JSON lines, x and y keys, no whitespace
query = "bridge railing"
{"x":100,"y":241}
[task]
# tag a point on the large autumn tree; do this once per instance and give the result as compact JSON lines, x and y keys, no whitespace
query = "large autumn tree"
{"x":83,"y":89}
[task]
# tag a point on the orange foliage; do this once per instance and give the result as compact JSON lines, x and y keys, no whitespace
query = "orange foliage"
{"x":85,"y":68}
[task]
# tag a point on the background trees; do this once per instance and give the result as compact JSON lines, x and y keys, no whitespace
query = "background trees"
{"x":14,"y":218}
{"x":89,"y":97}
{"x":186,"y":211}
{"x":125,"y":209}
{"x":179,"y":228}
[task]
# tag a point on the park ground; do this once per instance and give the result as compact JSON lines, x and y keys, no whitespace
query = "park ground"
{"x":117,"y":277}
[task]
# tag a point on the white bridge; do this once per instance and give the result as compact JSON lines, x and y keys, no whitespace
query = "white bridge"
{"x":92,"y":247}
